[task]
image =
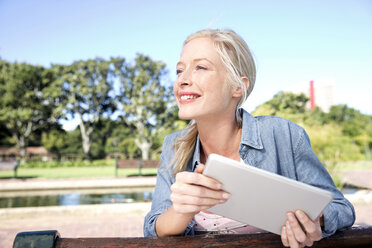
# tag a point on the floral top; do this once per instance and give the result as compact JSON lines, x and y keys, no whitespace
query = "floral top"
{"x":206,"y":222}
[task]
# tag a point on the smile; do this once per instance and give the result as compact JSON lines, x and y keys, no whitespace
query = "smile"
{"x":186,"y":97}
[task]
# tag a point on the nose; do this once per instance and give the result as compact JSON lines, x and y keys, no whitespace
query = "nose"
{"x":185,"y":78}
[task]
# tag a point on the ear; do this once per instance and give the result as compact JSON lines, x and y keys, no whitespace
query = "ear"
{"x":237,"y":91}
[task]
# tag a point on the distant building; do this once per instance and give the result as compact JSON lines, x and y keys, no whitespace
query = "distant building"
{"x":319,"y":91}
{"x":32,"y":153}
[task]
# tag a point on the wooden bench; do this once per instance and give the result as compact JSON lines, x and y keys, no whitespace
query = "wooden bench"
{"x":9,"y":165}
{"x":351,"y":237}
{"x":134,"y":163}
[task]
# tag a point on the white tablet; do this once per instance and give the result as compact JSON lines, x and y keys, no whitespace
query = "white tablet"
{"x":260,"y":198}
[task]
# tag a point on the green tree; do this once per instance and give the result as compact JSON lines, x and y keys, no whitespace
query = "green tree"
{"x":26,"y":102}
{"x":284,"y":104}
{"x":54,"y":141}
{"x":146,"y":103}
{"x":121,"y":143}
{"x":5,"y":136}
{"x":87,"y":94}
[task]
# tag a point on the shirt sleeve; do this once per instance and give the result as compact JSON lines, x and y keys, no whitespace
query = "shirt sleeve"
{"x":340,"y":212}
{"x":161,"y":197}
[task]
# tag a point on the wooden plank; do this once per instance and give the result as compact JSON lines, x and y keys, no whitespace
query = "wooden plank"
{"x":150,"y":163}
{"x":8,"y":165}
{"x":352,"y":237}
{"x":131,"y":163}
{"x":135,"y":163}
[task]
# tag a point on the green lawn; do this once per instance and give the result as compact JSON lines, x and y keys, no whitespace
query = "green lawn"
{"x":358,"y":165}
{"x":109,"y":171}
{"x":75,"y":172}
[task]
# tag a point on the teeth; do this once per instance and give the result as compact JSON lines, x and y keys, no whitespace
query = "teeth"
{"x":185,"y":97}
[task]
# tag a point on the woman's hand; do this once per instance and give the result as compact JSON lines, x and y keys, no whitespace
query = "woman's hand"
{"x":193,"y":192}
{"x":294,"y":235}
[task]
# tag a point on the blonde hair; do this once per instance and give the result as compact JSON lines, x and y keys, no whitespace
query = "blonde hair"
{"x":239,"y":63}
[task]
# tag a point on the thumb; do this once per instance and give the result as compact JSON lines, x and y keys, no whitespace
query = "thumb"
{"x":200,"y":168}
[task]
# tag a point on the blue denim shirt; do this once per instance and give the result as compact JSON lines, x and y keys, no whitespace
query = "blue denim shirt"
{"x":270,"y":143}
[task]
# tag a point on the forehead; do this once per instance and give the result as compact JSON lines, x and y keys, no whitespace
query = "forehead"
{"x":200,"y":48}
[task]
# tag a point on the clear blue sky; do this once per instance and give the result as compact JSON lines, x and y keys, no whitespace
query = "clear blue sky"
{"x":293,"y":41}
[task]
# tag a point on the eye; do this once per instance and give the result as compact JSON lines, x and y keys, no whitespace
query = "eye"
{"x":178,"y":71}
{"x":199,"y":67}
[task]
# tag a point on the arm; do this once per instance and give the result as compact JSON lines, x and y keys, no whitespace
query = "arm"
{"x":340,"y":212}
{"x":191,"y":193}
{"x":186,"y":191}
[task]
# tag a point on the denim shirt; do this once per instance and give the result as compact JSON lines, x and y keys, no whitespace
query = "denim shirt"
{"x":270,"y":143}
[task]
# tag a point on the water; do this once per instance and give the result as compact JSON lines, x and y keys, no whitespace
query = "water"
{"x":74,"y":198}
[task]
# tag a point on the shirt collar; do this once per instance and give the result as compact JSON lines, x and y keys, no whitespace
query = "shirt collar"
{"x":250,"y":131}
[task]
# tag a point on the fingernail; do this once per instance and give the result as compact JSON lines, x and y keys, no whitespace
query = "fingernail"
{"x":287,"y":224}
{"x":290,"y":217}
{"x":222,"y":201}
{"x":219,"y":186}
{"x":226,"y":195}
{"x":299,"y":214}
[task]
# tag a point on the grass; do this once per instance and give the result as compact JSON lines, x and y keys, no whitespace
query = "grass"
{"x":75,"y":172}
{"x":357,"y":165}
{"x":109,"y":171}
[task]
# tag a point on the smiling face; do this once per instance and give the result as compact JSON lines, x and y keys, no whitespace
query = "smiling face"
{"x":201,"y":89}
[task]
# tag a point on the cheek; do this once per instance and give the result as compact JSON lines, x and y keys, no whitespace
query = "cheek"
{"x":175,"y":88}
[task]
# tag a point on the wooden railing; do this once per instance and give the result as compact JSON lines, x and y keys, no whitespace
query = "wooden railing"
{"x":351,"y":237}
{"x":132,"y":163}
{"x":9,"y":165}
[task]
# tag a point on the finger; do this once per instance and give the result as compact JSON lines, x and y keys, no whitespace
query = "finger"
{"x":299,"y":234}
{"x":290,"y":235}
{"x":283,"y":236}
{"x":200,"y":168}
{"x":198,"y":179}
{"x":199,"y":191}
{"x":193,"y":200}
{"x":312,"y":228}
{"x":189,"y":209}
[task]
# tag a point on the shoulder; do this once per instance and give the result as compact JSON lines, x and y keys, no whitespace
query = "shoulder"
{"x":169,"y":141}
{"x":273,"y":128}
{"x":171,"y":138}
{"x":283,"y":130}
{"x":276,"y":122}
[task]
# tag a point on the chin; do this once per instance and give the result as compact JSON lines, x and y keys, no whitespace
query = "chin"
{"x":184,"y":115}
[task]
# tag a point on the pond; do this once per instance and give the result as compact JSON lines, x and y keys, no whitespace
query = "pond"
{"x":67,"y":198}
{"x":74,"y":198}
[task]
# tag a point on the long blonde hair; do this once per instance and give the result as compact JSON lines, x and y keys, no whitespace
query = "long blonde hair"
{"x":238,"y":60}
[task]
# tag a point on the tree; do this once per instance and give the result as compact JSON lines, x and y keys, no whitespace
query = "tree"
{"x":121,"y":143}
{"x":86,"y":95}
{"x":55,"y":141}
{"x":26,"y":104}
{"x":146,"y":103}
{"x":354,"y":124}
{"x":285,"y":104}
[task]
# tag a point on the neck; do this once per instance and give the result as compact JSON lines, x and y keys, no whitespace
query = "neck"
{"x":221,"y":137}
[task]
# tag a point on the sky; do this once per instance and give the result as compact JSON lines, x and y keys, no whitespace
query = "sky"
{"x":292,"y":41}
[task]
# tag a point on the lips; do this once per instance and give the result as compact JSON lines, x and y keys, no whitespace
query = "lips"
{"x":187,"y":97}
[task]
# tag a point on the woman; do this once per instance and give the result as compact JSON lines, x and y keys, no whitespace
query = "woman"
{"x":216,"y":73}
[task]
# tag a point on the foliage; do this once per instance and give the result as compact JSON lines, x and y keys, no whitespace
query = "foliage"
{"x":56,"y":164}
{"x":146,"y":103}
{"x":26,"y":103}
{"x":62,"y":143}
{"x":340,"y":135}
{"x":34,"y":98}
{"x":86,"y":94}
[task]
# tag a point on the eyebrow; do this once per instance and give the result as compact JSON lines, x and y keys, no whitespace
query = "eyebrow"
{"x":197,"y":60}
